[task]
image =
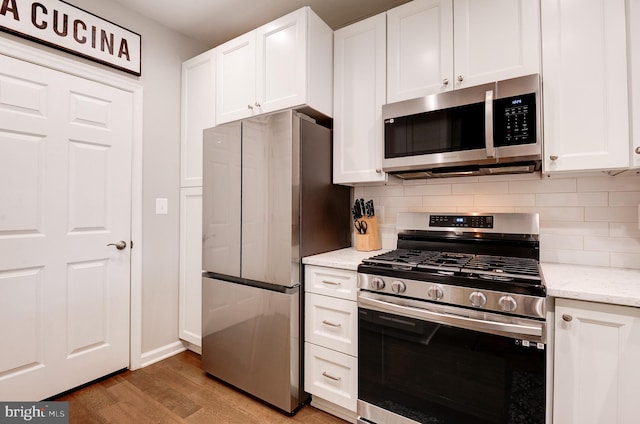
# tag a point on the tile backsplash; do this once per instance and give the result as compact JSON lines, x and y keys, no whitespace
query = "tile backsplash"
{"x":585,"y":220}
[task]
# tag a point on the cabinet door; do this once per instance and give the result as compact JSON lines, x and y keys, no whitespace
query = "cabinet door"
{"x":359,"y":93}
{"x":596,"y":375}
{"x":419,"y":49}
{"x":197,"y":113}
{"x":495,"y":40}
{"x":235,"y":78}
{"x":332,"y":323}
{"x":586,"y":115}
{"x":331,"y":375}
{"x":634,"y":55}
{"x":281,"y":52}
{"x":190,"y":297}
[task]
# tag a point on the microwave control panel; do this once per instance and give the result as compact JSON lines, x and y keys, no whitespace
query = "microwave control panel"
{"x":515,"y":120}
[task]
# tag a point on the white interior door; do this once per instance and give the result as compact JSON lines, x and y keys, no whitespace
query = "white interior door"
{"x":65,"y":194}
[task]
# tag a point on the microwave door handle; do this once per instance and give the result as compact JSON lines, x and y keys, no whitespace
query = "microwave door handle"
{"x":488,"y":124}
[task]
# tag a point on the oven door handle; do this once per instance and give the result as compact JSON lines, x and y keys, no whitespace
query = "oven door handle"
{"x":494,"y":327}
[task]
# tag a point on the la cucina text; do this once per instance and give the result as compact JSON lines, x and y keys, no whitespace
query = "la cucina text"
{"x":59,"y":22}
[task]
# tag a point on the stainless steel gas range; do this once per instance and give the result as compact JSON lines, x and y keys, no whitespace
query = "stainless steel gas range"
{"x":451,"y":325}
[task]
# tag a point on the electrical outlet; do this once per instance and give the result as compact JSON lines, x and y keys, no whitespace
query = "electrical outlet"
{"x":162,"y":206}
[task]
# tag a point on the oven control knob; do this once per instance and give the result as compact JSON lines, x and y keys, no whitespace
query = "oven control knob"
{"x":478,"y":299}
{"x":508,"y":303}
{"x":377,"y":283}
{"x":398,"y":287}
{"x":435,"y":293}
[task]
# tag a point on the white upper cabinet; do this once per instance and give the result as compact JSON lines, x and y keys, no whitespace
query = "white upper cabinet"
{"x":359,"y":93}
{"x":197,"y":113}
{"x":236,"y":78}
{"x":634,"y":56}
{"x":285,"y":63}
{"x":439,"y":45}
{"x":495,"y":40}
{"x":586,"y":108}
{"x":419,"y":49}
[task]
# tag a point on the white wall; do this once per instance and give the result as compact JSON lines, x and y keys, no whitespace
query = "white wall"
{"x":163,"y":52}
{"x":588,"y":220}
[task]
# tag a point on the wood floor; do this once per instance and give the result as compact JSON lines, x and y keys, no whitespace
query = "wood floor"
{"x":176,"y":390}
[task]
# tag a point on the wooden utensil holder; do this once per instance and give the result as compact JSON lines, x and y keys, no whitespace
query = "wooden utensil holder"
{"x":371,"y":240}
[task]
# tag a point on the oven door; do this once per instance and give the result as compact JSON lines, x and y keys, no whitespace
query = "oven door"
{"x":429,"y":363}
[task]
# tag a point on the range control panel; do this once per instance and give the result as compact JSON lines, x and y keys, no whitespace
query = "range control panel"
{"x":464,"y":221}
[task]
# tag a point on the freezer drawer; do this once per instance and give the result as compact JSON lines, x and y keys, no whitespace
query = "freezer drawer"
{"x":250,"y":339}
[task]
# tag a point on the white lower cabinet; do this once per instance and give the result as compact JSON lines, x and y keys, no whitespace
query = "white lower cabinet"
{"x":331,"y":339}
{"x":596,"y":369}
{"x":331,"y":375}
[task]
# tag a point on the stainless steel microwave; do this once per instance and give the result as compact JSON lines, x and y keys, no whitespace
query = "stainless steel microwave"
{"x":493,"y":128}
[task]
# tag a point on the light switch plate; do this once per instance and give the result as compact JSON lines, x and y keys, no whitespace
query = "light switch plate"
{"x":162,"y":206}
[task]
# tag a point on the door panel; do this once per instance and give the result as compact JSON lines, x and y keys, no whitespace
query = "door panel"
{"x":65,"y":193}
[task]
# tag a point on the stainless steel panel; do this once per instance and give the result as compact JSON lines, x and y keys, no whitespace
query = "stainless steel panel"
{"x":221,"y":200}
{"x":527,"y":305}
{"x":368,"y":413}
{"x":506,"y":223}
{"x":484,"y":322}
{"x":438,"y":101}
{"x":250,"y":339}
{"x":267,"y":204}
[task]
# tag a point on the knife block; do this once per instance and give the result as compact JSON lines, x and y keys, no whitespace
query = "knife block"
{"x":371,"y":240}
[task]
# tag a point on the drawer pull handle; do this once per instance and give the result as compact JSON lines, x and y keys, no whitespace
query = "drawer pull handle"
{"x":331,"y":324}
{"x":567,"y":317}
{"x":330,"y":377}
{"x":331,"y":283}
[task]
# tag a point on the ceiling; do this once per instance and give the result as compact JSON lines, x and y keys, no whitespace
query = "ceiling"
{"x":215,"y":21}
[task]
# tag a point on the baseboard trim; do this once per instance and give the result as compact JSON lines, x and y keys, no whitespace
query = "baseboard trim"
{"x":164,"y":352}
{"x":333,"y":409}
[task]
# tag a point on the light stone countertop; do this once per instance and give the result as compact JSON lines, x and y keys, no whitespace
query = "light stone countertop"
{"x":619,"y":286}
{"x":348,"y":258}
{"x":596,"y":284}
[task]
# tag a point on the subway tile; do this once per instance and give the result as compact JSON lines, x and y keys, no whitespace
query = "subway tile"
{"x":543,"y":186}
{"x":572,"y":199}
{"x":620,"y":214}
{"x":626,"y":260}
{"x":379,"y":191}
{"x":511,"y":177}
{"x":567,"y":214}
{"x":607,"y":183}
{"x":505,"y":200}
{"x":621,"y":198}
{"x":453,"y":180}
{"x":561,"y":242}
{"x":491,"y":209}
{"x":427,"y":189}
{"x":575,"y":257}
{"x":578,"y":228}
{"x":400,"y":201}
{"x":624,"y":229}
{"x":481,"y":188}
{"x":612,"y":244}
{"x":449,"y":201}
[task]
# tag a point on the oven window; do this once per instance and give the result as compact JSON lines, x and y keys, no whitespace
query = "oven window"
{"x":444,"y":375}
{"x":449,"y":130}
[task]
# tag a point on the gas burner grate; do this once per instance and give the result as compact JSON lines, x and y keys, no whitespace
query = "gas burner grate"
{"x":446,"y":261}
{"x":503,"y":266}
{"x":401,"y":258}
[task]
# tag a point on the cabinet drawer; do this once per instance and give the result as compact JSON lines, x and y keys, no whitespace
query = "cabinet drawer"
{"x":331,"y":375}
{"x":331,"y":282}
{"x":332,"y":323}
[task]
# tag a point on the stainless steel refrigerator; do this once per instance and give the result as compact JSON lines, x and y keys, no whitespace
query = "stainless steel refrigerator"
{"x":268,"y":201}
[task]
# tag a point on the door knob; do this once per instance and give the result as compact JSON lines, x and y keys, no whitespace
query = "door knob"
{"x":120,"y":245}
